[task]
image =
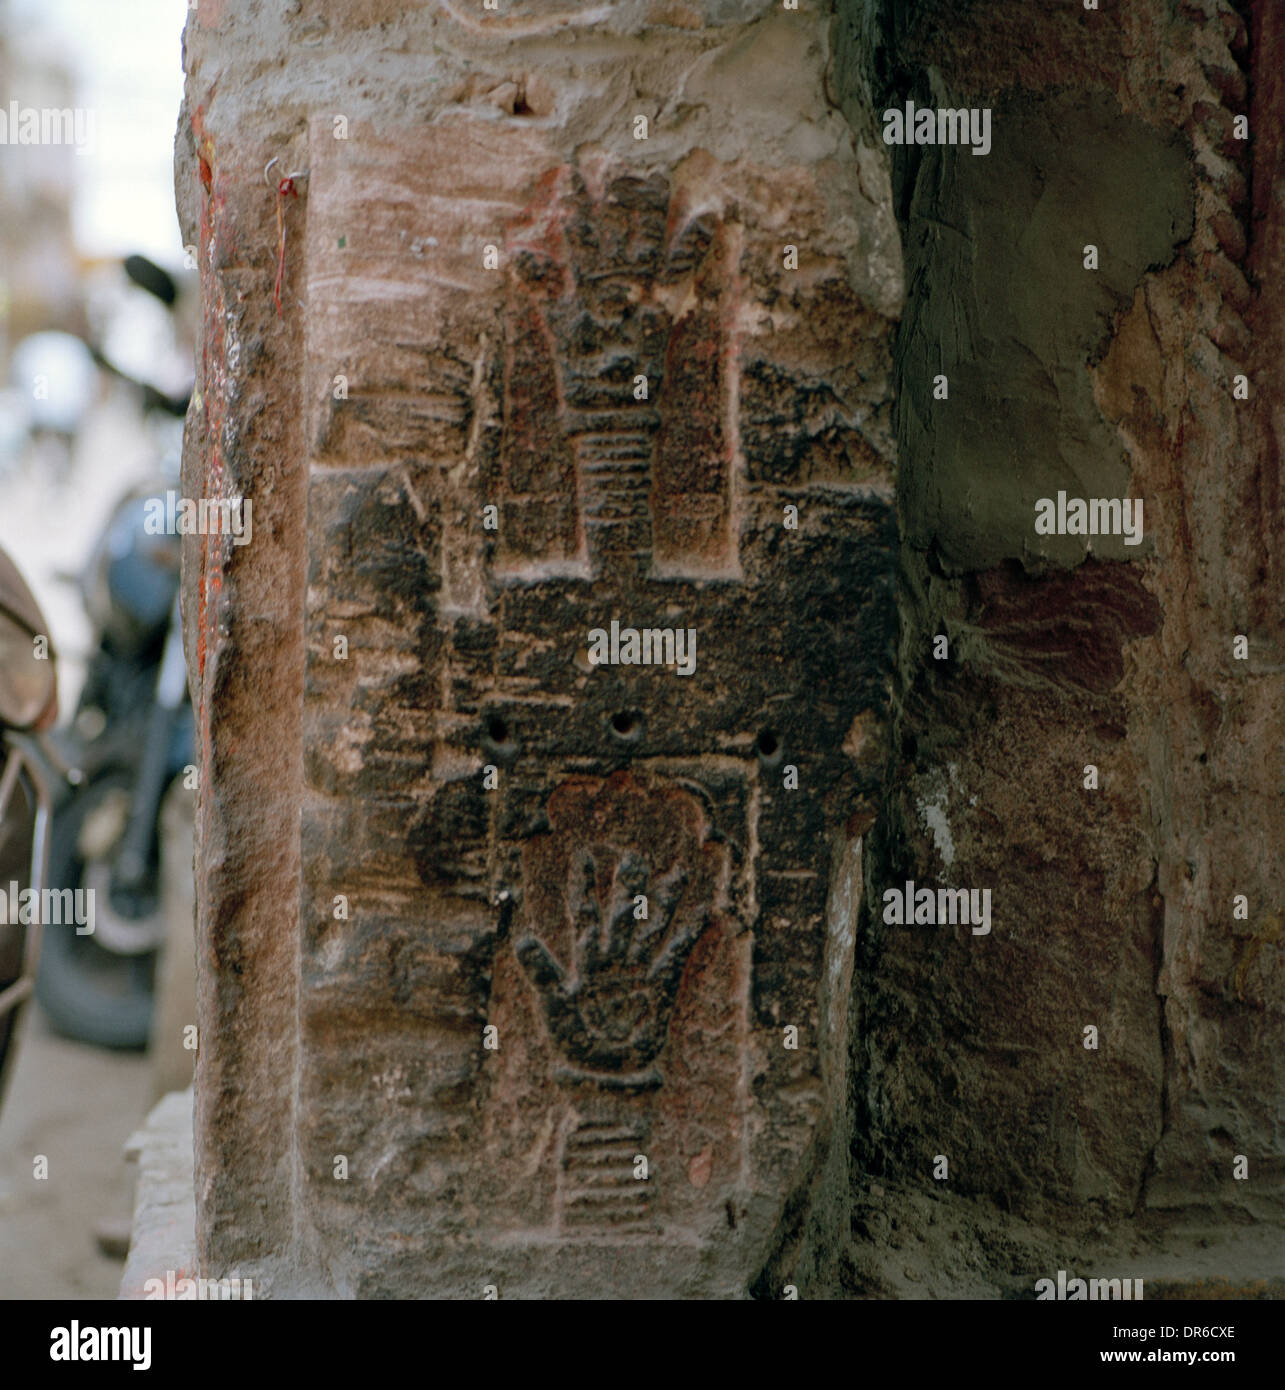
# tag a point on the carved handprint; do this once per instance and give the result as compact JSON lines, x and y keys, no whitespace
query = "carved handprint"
{"x":591,"y":266}
{"x":615,"y":401}
{"x":617,"y":893}
{"x":609,"y":1011}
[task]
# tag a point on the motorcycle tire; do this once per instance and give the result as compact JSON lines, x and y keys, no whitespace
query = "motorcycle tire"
{"x":88,"y":993}
{"x":16,"y":833}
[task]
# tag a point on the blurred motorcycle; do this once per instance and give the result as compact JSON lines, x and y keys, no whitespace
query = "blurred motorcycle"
{"x":28,"y":705}
{"x":55,"y":380}
{"x":132,"y":736}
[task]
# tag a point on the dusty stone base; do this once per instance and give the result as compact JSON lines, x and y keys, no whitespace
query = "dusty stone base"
{"x":911,"y":1244}
{"x":905,"y":1245}
{"x":164,"y":1233}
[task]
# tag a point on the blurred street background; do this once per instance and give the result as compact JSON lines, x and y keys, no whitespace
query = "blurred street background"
{"x":86,"y":415}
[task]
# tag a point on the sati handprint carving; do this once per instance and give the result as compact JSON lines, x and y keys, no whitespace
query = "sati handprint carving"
{"x":634,"y":886}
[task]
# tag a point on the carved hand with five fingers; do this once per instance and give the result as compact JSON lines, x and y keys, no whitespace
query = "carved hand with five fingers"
{"x":609,"y":1011}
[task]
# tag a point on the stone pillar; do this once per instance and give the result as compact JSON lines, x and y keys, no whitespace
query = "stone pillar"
{"x":523,"y":967}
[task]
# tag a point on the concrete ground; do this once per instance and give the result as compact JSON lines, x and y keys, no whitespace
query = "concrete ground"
{"x":77,"y":1105}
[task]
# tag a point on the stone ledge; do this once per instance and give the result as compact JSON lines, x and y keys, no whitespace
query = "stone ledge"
{"x":163,"y":1238}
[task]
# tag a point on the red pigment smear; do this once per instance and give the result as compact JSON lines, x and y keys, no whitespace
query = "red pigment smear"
{"x":284,"y":188}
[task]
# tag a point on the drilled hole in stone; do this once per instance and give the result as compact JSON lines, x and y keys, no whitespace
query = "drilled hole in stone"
{"x":497,"y":730}
{"x":768,"y":745}
{"x":626,"y":724}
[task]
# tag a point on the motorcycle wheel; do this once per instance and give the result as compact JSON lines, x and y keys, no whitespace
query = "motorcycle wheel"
{"x":88,"y":993}
{"x":16,"y":834}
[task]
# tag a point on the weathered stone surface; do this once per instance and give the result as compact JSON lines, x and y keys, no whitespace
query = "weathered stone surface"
{"x":362,"y":780}
{"x":1111,"y":907}
{"x":513,"y":378}
{"x":163,"y":1238}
